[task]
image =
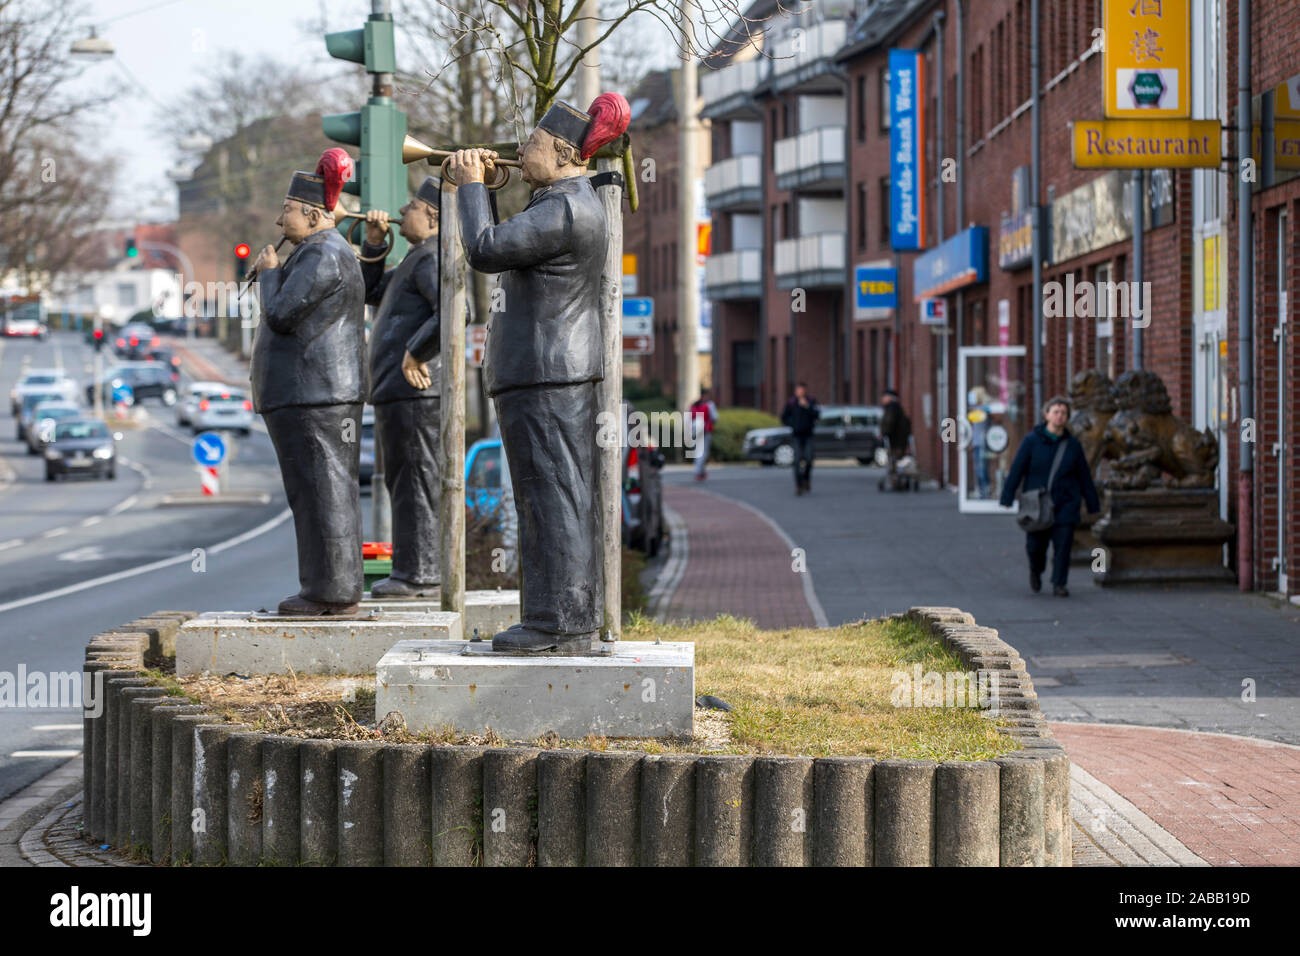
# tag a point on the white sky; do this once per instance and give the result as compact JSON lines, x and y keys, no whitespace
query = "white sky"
{"x":162,"y":48}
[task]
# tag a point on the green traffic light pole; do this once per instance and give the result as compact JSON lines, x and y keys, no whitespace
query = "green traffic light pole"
{"x":379,"y":128}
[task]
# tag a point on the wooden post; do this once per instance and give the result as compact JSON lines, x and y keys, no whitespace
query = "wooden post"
{"x":451,"y":505}
{"x":610,"y":397}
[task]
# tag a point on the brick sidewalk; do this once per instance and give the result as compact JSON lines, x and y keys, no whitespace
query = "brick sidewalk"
{"x":1231,"y":800}
{"x":737,"y":565}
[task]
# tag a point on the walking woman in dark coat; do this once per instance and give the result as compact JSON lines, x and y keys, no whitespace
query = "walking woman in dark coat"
{"x":1071,"y":486}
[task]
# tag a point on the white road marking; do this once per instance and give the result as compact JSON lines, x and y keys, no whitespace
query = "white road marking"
{"x":188,"y":556}
{"x":57,"y":727}
{"x":122,"y":505}
{"x":16,"y":542}
{"x":91,"y":552}
{"x":45,"y":753}
{"x":54,"y":532}
{"x":89,"y":522}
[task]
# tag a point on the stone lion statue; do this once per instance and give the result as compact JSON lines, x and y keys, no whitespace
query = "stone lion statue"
{"x":1092,"y":397}
{"x":1144,"y":440}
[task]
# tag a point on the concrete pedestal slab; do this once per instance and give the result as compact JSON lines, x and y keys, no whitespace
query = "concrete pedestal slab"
{"x":485,"y":611}
{"x":220,"y":642}
{"x":642,"y":689}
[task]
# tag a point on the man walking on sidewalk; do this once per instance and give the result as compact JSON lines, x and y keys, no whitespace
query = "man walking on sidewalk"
{"x":704,"y":415}
{"x":897,"y":428}
{"x":800,"y":415}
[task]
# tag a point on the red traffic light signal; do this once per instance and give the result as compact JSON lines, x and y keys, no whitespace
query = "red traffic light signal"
{"x":99,"y":334}
{"x":242,"y":250}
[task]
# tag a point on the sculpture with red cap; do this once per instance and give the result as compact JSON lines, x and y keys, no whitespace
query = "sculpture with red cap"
{"x":309,"y":383}
{"x":543,"y":360}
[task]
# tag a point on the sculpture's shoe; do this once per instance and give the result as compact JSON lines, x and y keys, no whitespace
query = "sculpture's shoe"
{"x":524,"y":640}
{"x":298,"y":606}
{"x":397,"y":588}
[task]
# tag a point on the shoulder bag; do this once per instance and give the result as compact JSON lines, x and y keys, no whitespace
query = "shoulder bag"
{"x":1034,"y":510}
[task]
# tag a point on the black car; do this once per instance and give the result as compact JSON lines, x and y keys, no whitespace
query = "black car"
{"x":147,"y":380}
{"x":81,"y":447}
{"x":167,"y":357}
{"x":842,"y":431}
{"x":135,"y":340}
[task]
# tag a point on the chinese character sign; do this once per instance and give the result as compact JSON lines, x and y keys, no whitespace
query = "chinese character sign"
{"x":906,"y":150}
{"x":1146,"y":59}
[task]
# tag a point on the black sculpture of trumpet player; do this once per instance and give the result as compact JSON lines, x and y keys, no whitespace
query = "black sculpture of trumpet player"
{"x":308,"y":383}
{"x":405,"y":371}
{"x":544,"y":357}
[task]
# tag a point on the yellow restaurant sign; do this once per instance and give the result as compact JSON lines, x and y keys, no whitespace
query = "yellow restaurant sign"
{"x":1146,"y":144}
{"x":1146,"y":60}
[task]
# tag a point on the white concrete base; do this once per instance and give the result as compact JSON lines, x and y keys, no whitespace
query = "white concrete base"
{"x":219,"y":642}
{"x":641,"y":690}
{"x":485,"y":611}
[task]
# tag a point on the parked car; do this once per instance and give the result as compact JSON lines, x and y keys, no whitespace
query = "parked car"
{"x":225,"y":408}
{"x":189,"y":403}
{"x":44,"y":417}
{"x":44,"y":380}
{"x":842,"y":431}
{"x":30,"y":401}
{"x":165,"y":356}
{"x":488,"y":492}
{"x":643,"y":501}
{"x":81,"y":447}
{"x":147,"y":380}
{"x":367,"y":444}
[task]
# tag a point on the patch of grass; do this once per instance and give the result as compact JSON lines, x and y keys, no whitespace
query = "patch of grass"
{"x":828,"y":692}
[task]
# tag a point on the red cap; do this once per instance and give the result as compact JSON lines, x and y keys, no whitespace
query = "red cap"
{"x":610,"y":114}
{"x":336,"y":168}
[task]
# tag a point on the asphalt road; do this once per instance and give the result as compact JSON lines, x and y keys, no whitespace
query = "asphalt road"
{"x":81,"y":556}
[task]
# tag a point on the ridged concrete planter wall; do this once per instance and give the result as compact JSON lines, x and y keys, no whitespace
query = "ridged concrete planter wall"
{"x":169,"y":780}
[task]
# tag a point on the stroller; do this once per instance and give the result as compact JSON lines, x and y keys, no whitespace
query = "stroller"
{"x":906,"y":474}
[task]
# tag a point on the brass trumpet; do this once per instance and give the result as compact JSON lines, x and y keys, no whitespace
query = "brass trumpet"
{"x":358,"y":218}
{"x":414,"y":151}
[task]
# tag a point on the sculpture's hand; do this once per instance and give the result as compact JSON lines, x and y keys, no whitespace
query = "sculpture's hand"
{"x":376,"y":226}
{"x":467,"y":166}
{"x":267,"y":259}
{"x":416,"y":372}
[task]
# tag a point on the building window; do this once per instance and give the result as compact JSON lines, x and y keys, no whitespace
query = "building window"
{"x":884,"y":99}
{"x":126,"y":295}
{"x":789,"y":363}
{"x":884,"y":211}
{"x":862,"y":216}
{"x":862,"y":107}
{"x":976,"y":96}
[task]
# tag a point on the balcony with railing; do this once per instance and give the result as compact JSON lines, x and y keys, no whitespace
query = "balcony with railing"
{"x":728,"y":92}
{"x":810,"y":262}
{"x":735,"y":183}
{"x":734,"y":275}
{"x":804,"y":57}
{"x":811,"y":160}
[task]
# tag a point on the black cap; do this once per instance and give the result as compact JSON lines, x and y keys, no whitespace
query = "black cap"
{"x":308,"y":188}
{"x":428,"y":190}
{"x":566,"y":123}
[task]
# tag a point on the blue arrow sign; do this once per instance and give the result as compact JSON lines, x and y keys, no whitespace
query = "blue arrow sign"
{"x":209,"y":449}
{"x":123,"y":394}
{"x":643,"y":307}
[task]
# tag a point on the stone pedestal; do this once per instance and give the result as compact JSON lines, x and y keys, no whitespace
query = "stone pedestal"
{"x":220,"y":642}
{"x":485,"y":611}
{"x":642,"y":689}
{"x":1162,"y":535}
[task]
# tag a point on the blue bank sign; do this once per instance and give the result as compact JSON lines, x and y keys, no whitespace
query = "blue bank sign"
{"x":960,"y":261}
{"x":906,"y":150}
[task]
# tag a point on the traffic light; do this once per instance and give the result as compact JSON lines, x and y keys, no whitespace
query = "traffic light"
{"x":242,"y":252}
{"x":98,"y":338}
{"x":131,"y":250}
{"x":379,"y":127}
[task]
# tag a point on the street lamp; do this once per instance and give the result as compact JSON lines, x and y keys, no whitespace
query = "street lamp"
{"x":93,"y":46}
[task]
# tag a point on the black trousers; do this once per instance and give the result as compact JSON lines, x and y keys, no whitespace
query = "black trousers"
{"x":803,"y":459}
{"x":319,"y":448}
{"x":548,"y":433}
{"x":407,"y":434}
{"x":1061,"y":538}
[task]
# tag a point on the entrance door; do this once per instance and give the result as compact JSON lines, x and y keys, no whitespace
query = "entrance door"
{"x":992,"y":420}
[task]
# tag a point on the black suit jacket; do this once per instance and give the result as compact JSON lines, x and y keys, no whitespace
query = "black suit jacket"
{"x":551,"y":257}
{"x":310,"y":344}
{"x":406,"y":320}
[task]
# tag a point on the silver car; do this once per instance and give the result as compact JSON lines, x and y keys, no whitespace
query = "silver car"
{"x":44,"y":380}
{"x":193,"y":394}
{"x":224,"y":408}
{"x":43,"y":419}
